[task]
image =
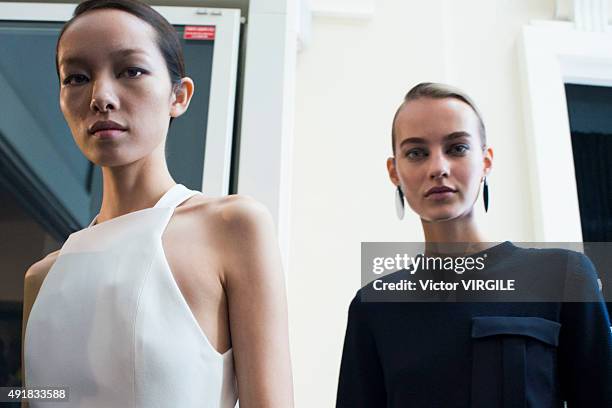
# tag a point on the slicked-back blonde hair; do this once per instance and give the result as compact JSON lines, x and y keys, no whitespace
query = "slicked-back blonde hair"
{"x":439,"y":91}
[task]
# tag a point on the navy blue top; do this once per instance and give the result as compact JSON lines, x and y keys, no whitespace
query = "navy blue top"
{"x":482,"y":355}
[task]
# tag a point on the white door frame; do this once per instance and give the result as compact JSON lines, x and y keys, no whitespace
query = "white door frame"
{"x":552,"y":54}
{"x":266,"y":139}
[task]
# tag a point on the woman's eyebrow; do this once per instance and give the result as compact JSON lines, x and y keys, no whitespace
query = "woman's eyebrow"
{"x":456,"y":135}
{"x":450,"y":136}
{"x":126,"y":52}
{"x":70,"y":60}
{"x":120,"y":53}
{"x":413,"y":140}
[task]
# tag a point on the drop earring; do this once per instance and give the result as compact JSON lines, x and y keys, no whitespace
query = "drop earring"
{"x":485,"y":194}
{"x":399,"y":203}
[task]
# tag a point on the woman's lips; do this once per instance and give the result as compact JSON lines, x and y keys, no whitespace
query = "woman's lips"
{"x":441,"y":195}
{"x":108,"y":133}
{"x":106,"y":129}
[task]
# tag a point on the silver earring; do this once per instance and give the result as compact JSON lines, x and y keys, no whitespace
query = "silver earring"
{"x":399,"y":203}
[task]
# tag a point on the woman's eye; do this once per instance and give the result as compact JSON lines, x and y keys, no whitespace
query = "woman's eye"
{"x":75,"y":79}
{"x":132,"y":72}
{"x":415,"y":154}
{"x":459,"y":149}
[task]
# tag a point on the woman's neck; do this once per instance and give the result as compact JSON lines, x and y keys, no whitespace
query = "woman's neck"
{"x":443,"y":236}
{"x":134,"y":186}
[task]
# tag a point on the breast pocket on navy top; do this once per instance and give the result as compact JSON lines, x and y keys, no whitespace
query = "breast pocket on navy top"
{"x":514,"y":362}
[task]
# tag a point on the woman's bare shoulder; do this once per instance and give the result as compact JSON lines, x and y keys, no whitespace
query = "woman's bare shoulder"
{"x":38,"y":271}
{"x":229,"y":212}
{"x":238,"y":223}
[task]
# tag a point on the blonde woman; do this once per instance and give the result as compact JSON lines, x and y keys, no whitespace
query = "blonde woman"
{"x":478,"y":354}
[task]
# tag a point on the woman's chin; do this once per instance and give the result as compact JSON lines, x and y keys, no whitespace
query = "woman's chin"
{"x":117,"y":155}
{"x":441,"y":215}
{"x":110,"y":160}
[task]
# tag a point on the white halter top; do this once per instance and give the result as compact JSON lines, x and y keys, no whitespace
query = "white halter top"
{"x":111,"y":324}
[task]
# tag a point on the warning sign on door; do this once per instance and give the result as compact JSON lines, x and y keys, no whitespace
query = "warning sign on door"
{"x":199,"y":33}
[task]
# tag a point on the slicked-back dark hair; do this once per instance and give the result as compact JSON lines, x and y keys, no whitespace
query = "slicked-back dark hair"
{"x":439,"y":91}
{"x":167,"y":38}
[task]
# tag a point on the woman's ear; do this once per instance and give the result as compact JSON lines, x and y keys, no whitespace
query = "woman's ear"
{"x":488,"y":160}
{"x":392,"y":171}
{"x":181,"y":97}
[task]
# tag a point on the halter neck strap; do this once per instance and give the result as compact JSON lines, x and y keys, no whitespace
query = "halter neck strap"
{"x":176,"y":195}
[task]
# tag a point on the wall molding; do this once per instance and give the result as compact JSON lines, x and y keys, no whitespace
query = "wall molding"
{"x":550,"y":55}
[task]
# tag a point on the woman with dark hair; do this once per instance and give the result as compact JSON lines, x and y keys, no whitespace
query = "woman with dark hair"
{"x":169,"y":297}
{"x":457,"y":348}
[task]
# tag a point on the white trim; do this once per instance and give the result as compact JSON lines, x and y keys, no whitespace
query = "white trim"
{"x":220,"y":126}
{"x":588,"y":15}
{"x":551,"y":55}
{"x":591,"y":15}
{"x":586,"y":71}
{"x":268,"y":101}
{"x":303,"y":24}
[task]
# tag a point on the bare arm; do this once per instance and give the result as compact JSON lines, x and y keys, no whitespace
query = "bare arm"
{"x":255,"y":288}
{"x":34,"y":278}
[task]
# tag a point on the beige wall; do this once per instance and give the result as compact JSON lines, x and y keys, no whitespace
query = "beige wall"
{"x":349,"y":82}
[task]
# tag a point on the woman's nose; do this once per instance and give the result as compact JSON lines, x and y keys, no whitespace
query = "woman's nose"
{"x":103,"y":97}
{"x":438,"y":165}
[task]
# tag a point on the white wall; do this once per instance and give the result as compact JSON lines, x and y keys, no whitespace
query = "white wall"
{"x":349,"y":81}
